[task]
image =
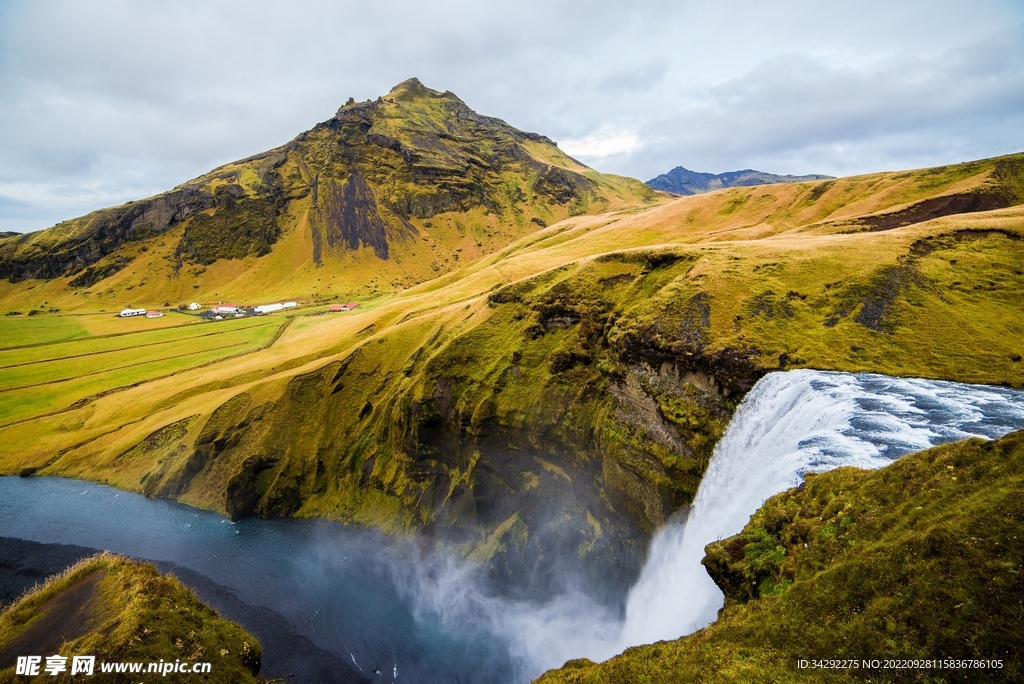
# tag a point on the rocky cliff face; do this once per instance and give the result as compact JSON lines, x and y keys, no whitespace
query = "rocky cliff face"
{"x":555,"y":436}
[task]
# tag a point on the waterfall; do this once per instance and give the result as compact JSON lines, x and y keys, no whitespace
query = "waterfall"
{"x":361,"y":597}
{"x":792,"y":423}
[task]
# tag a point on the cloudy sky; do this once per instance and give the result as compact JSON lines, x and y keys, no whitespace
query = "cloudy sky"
{"x":111,"y":100}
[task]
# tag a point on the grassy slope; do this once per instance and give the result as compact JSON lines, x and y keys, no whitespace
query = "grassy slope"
{"x":919,"y":560}
{"x":591,"y":365}
{"x":137,"y":615}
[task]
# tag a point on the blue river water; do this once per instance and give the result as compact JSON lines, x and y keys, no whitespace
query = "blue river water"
{"x":397,"y":613}
{"x":349,"y":591}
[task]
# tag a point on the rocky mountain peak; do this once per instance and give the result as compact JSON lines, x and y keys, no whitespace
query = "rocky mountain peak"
{"x":360,"y":179}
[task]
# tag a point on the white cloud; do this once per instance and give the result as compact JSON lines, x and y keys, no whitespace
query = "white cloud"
{"x":132,"y":96}
{"x":601,"y":144}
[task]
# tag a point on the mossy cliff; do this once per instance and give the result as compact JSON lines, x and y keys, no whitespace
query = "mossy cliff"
{"x":530,"y":426}
{"x":923,"y":559}
{"x":567,"y":415}
{"x":122,"y":611}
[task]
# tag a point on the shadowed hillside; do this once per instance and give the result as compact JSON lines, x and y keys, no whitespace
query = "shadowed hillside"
{"x":122,"y":612}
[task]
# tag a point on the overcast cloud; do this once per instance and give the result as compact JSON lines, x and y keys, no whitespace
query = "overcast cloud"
{"x":107,"y":101}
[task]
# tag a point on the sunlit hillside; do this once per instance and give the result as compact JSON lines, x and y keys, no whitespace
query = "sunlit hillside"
{"x":580,"y":374}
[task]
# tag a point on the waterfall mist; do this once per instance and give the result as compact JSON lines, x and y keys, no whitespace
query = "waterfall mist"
{"x":791,"y":424}
{"x":397,"y":610}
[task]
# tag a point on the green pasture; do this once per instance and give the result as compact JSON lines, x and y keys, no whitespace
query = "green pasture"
{"x":35,"y":351}
{"x":16,"y":331}
{"x":47,"y":385}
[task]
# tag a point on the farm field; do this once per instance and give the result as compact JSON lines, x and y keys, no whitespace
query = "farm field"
{"x":18,"y":331}
{"x":48,"y":376}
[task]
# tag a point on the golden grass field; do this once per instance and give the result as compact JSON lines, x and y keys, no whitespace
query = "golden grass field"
{"x":786,"y":269}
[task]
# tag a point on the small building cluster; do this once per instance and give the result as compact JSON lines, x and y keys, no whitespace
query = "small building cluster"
{"x":271,"y":308}
{"x":130,"y":312}
{"x":344,"y":307}
{"x":226,"y":309}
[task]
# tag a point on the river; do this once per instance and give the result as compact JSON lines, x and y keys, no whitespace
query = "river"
{"x":395,"y":613}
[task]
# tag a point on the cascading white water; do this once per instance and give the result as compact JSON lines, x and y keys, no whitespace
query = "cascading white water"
{"x":790,"y":424}
{"x":431,"y":618}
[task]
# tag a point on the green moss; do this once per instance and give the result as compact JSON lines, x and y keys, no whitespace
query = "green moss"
{"x":919,"y":560}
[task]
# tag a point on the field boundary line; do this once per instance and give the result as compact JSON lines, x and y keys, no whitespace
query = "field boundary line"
{"x":117,"y":368}
{"x":85,"y":401}
{"x":95,"y":337}
{"x":121,"y":349}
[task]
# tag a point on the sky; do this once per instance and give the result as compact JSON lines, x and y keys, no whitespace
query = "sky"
{"x":111,"y":100}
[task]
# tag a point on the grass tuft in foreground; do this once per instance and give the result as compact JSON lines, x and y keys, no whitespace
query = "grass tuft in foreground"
{"x":122,"y":611}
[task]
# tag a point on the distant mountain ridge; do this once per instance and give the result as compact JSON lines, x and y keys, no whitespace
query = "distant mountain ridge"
{"x":682,"y":181}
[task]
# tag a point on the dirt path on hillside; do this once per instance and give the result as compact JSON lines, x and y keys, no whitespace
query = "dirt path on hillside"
{"x":66,"y":616}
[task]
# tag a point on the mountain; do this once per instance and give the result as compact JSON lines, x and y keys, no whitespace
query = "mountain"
{"x":385,"y":194}
{"x":544,"y":405}
{"x":896,"y":564}
{"x":681,"y":181}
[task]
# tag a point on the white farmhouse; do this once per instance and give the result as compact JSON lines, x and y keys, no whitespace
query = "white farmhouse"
{"x":223,"y":309}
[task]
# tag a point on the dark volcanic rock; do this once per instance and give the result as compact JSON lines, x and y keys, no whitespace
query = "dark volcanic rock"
{"x":351,"y":216}
{"x":964,"y":203}
{"x":99,"y":234}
